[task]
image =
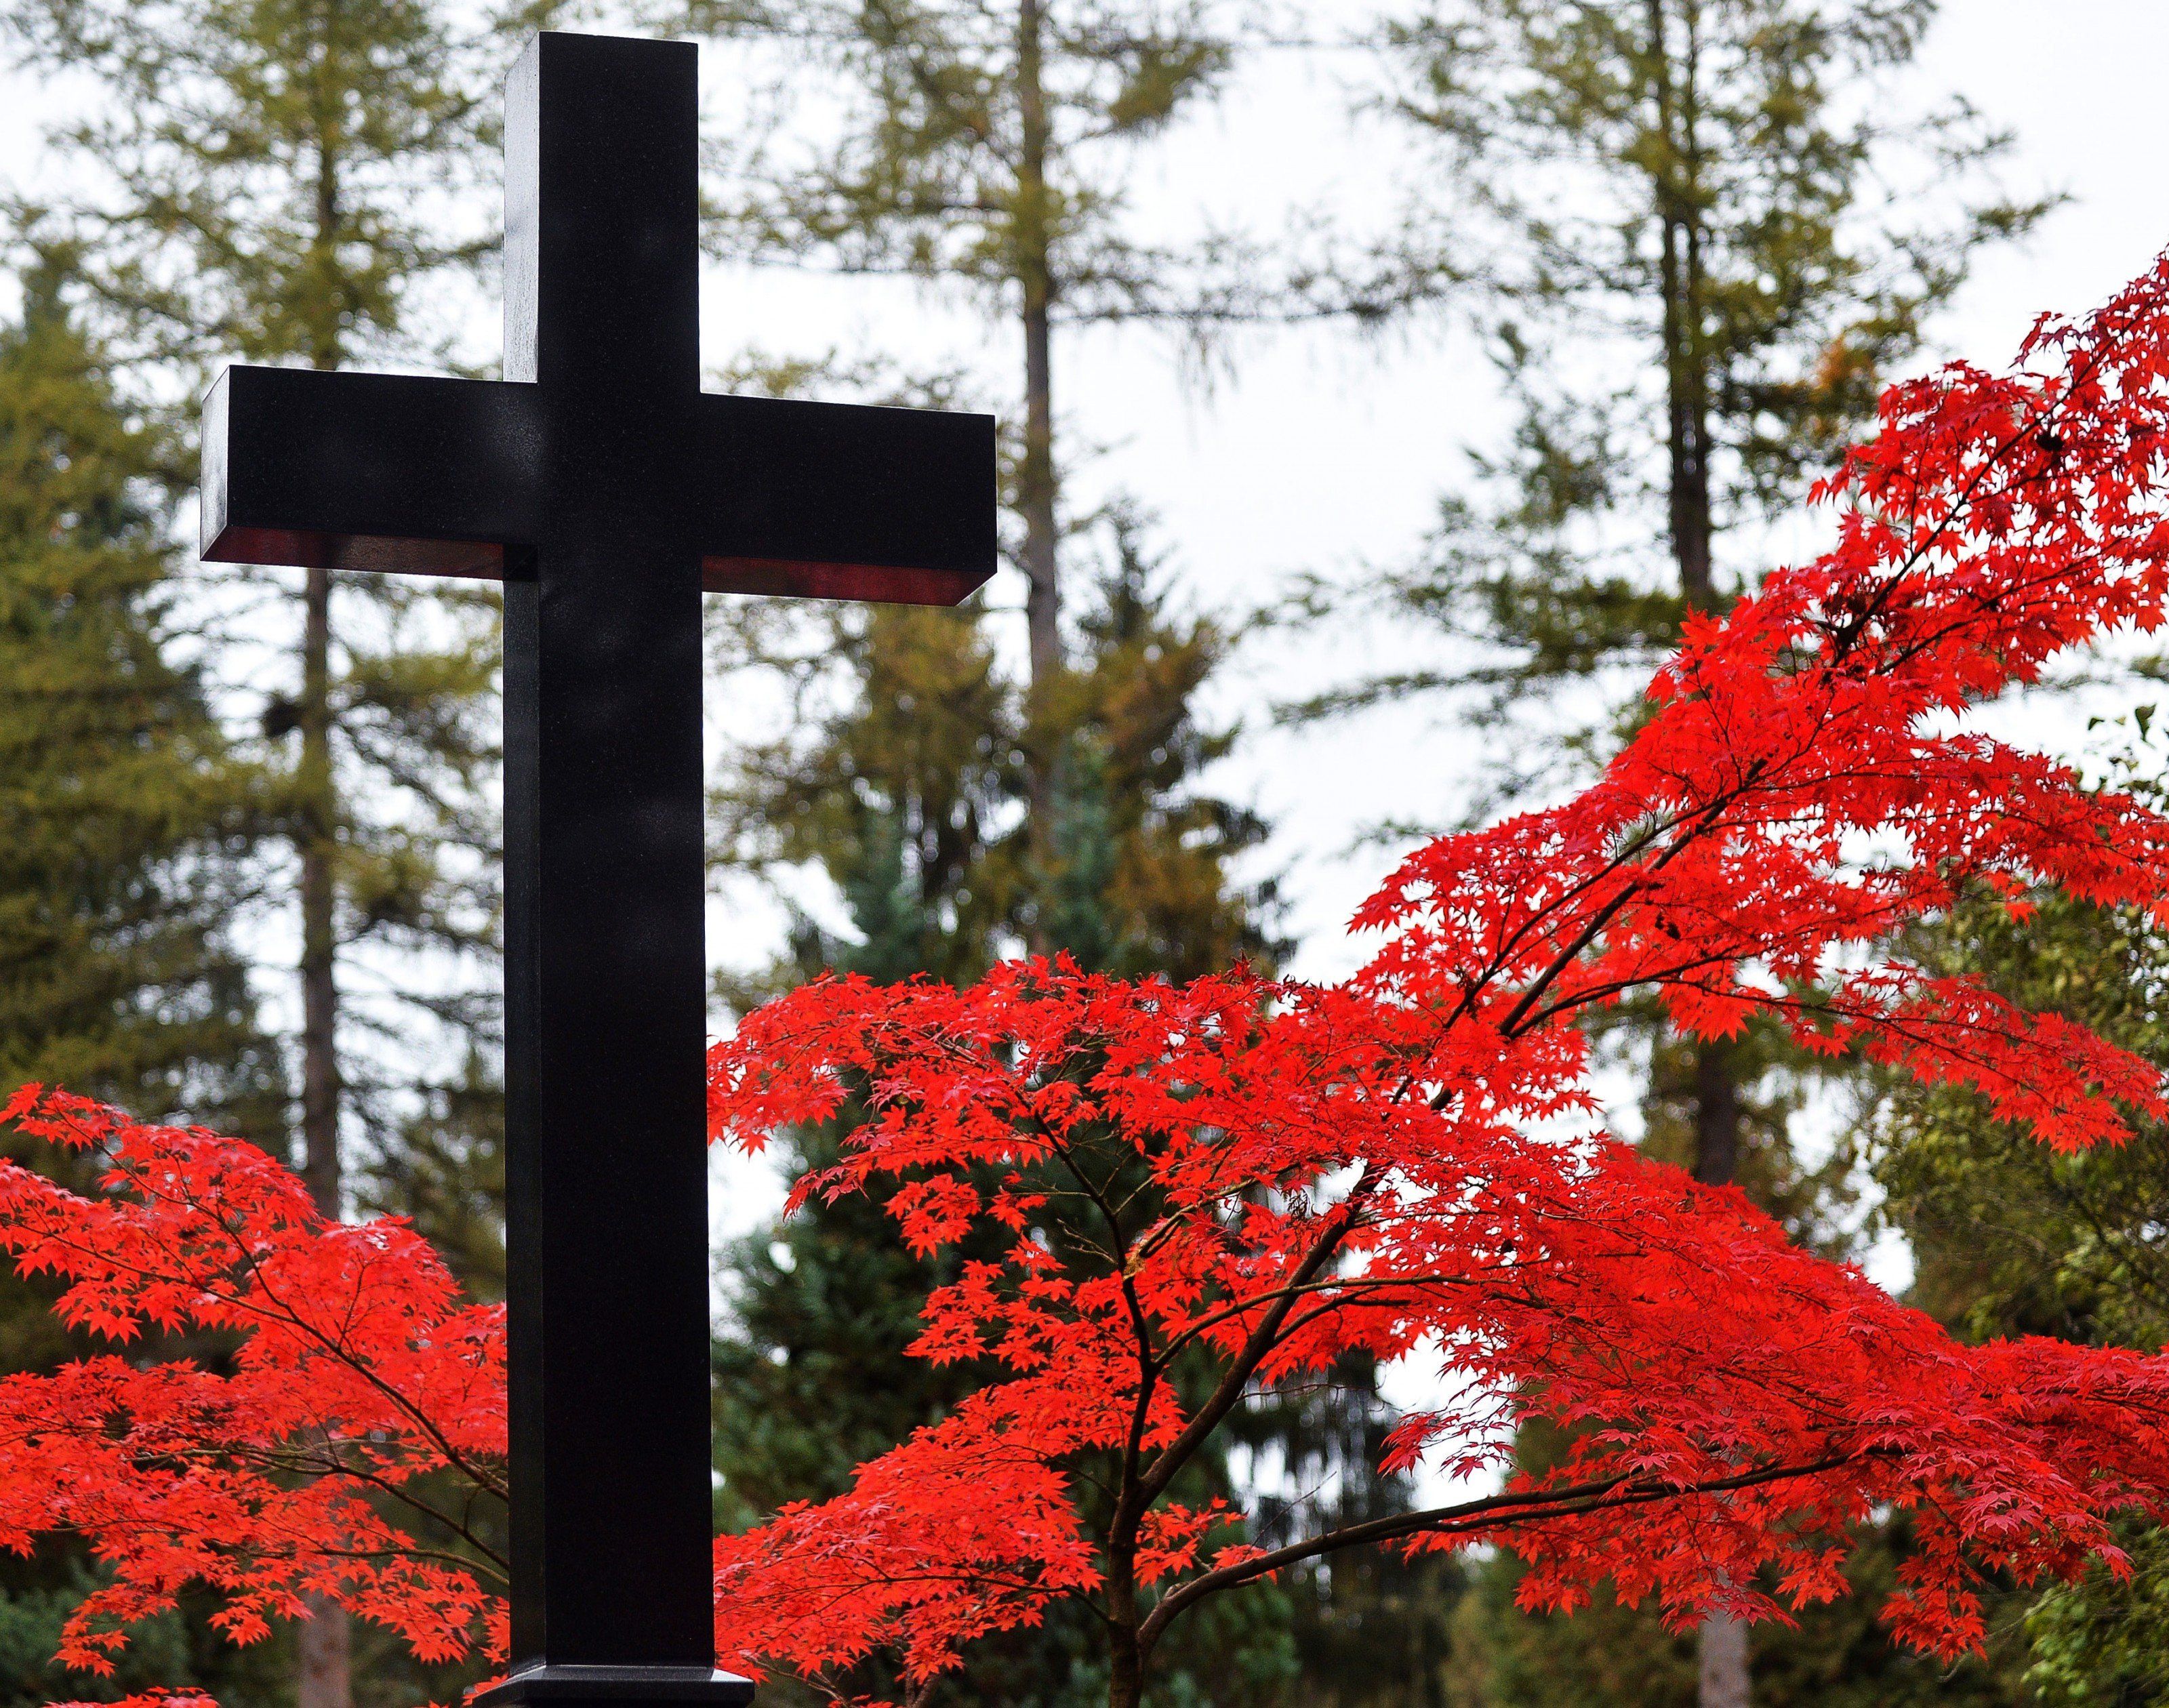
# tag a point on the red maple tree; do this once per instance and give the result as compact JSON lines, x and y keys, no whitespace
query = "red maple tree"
{"x":1253,"y":1179}
{"x":335,"y":1435}
{"x":1191,"y":1192}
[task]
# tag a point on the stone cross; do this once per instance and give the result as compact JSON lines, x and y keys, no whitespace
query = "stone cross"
{"x":606,"y":491}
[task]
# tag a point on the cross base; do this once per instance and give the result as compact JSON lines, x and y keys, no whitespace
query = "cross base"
{"x":573,"y":1686}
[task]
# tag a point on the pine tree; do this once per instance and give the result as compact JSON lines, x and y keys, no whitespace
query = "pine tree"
{"x":124,"y":814}
{"x":258,"y":178}
{"x":125,"y":822}
{"x":986,"y":150}
{"x":1668,"y":218}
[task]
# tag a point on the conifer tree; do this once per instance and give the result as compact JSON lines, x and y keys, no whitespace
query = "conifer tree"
{"x":2008,"y":1244}
{"x":1674,"y":222}
{"x":125,"y":822}
{"x":985,"y":150}
{"x":258,"y":180}
{"x":123,"y":811}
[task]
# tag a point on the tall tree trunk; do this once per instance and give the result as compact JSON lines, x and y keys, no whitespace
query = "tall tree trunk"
{"x":1126,"y":1661}
{"x":325,"y":1677}
{"x":318,"y":815}
{"x":325,"y":1662}
{"x":1036,"y":480}
{"x":1035,"y":476}
{"x":1721,"y":1678}
{"x":324,"y":1641}
{"x":1716,"y":1114}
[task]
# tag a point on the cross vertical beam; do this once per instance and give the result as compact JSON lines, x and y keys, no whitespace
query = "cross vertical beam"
{"x":606,"y":490}
{"x":605,"y":973}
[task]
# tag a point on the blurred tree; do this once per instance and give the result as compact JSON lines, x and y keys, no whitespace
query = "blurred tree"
{"x":258,"y":183}
{"x":124,"y":813}
{"x":988,"y":149}
{"x":2010,"y":1238}
{"x":125,"y":826}
{"x":1371,"y":1629}
{"x":1697,"y":236}
{"x":446,"y":1172}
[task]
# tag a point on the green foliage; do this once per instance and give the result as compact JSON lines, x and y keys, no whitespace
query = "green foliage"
{"x":2012,"y":1238}
{"x":263,"y":166}
{"x":1371,"y":1627}
{"x":1135,"y":876}
{"x":35,"y":1599}
{"x":897,"y":778}
{"x":980,"y":146}
{"x":125,"y":822}
{"x":260,"y":180}
{"x":2009,"y":1236}
{"x":263,"y":180}
{"x":2103,"y":1643}
{"x":122,"y":813}
{"x":1692,"y":234}
{"x":446,"y":1173}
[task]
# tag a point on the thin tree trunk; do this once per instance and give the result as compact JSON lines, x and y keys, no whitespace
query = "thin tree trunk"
{"x":1716,"y":1114}
{"x":1126,"y":1672}
{"x":1126,"y":1669}
{"x":324,"y":1642}
{"x":1035,"y":477}
{"x":324,"y":1661}
{"x":1037,"y":482}
{"x":1722,"y":1679}
{"x":320,"y":1068}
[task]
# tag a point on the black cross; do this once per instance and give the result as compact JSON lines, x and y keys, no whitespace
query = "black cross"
{"x":607,"y":490}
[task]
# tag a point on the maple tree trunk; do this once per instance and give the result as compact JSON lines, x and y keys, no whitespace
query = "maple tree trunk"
{"x":1126,"y":1673}
{"x":1126,"y":1661}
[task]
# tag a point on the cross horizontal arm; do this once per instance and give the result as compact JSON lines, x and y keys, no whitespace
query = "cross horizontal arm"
{"x":843,"y":501}
{"x":383,"y":472}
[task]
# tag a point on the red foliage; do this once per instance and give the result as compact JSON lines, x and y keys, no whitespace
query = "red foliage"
{"x":337,"y":1375}
{"x":1196,"y":1190}
{"x":1254,"y":1178}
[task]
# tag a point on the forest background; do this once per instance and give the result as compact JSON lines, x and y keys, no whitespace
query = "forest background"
{"x":1214,"y":470}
